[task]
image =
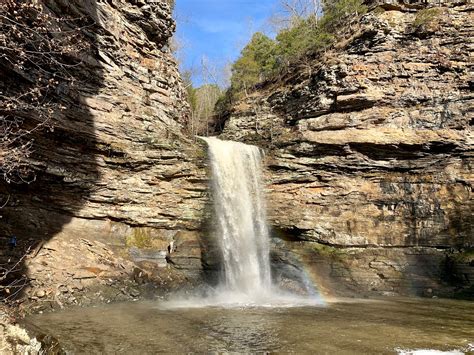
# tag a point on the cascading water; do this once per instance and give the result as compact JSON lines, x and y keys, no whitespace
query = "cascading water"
{"x":241,"y":217}
{"x":242,"y":232}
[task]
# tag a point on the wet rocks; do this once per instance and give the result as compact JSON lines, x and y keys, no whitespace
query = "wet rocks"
{"x":158,"y":257}
{"x":15,"y":339}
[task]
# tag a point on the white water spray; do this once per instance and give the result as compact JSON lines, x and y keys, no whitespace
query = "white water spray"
{"x":242,"y":233}
{"x":241,"y":216}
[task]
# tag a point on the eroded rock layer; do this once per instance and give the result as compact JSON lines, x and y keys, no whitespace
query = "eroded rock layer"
{"x":116,"y":166}
{"x":370,"y":152}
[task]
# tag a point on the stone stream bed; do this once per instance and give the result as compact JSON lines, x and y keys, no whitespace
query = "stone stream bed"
{"x":388,"y":326}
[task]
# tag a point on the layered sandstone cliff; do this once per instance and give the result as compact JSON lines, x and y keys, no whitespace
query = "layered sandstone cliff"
{"x":370,"y":152}
{"x":115,"y":177}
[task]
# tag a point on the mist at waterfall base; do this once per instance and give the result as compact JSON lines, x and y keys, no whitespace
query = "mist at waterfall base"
{"x":243,"y":236}
{"x":247,"y":312}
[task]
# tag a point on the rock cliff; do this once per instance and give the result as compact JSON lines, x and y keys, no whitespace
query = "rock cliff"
{"x":369,"y":152}
{"x":369,"y":155}
{"x":116,"y":169}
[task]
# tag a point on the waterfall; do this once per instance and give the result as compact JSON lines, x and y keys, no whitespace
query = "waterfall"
{"x":241,"y":216}
{"x":242,"y":233}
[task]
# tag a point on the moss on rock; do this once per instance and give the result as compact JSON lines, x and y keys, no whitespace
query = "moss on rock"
{"x":427,"y":17}
{"x":140,"y":238}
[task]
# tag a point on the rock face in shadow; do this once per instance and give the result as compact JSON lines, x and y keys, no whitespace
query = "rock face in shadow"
{"x":118,"y":168}
{"x":370,"y":154}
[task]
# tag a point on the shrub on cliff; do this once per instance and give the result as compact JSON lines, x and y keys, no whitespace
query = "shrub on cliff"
{"x":256,"y":62}
{"x":426,"y":22}
{"x":263,"y":57}
{"x":314,"y":33}
{"x":295,"y":42}
{"x":427,"y":16}
{"x":37,"y":50}
{"x":306,"y":32}
{"x":337,"y":12}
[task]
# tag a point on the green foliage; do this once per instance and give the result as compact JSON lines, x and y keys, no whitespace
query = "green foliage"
{"x":224,"y":101}
{"x":427,"y":17}
{"x":465,"y":256}
{"x":256,"y":62}
{"x":378,"y":10}
{"x":296,"y":41}
{"x":263,"y":57}
{"x":338,"y":11}
{"x":223,"y":108}
{"x":329,"y":251}
{"x":140,"y":238}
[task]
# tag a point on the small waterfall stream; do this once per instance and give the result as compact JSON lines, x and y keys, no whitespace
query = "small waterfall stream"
{"x":242,"y":233}
{"x":241,"y":216}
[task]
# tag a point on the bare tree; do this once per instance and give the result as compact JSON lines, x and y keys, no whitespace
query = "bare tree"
{"x":214,"y":79}
{"x":10,"y":283}
{"x":290,"y":12}
{"x":38,"y":50}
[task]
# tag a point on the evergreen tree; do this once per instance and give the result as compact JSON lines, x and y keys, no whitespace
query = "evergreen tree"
{"x":294,"y":42}
{"x":262,"y":57}
{"x":336,"y":11}
{"x":256,"y":62}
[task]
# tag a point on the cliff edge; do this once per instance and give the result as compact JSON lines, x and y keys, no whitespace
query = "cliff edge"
{"x":370,"y":152}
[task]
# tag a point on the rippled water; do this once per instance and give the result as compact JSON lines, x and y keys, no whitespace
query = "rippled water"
{"x":347,"y":327}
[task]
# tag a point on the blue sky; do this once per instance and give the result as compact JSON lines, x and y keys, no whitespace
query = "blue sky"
{"x":218,"y":29}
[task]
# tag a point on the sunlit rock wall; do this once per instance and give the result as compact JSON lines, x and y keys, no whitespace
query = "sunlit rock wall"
{"x":369,"y":153}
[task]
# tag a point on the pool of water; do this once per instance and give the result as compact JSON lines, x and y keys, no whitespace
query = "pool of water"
{"x":344,"y":327}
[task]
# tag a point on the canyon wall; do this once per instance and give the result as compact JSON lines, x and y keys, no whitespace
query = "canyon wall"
{"x":115,"y":176}
{"x":369,"y":153}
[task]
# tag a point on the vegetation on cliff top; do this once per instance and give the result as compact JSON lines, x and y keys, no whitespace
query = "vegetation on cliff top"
{"x":264,"y":58}
{"x":309,"y":27}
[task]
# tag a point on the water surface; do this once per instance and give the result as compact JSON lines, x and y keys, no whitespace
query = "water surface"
{"x":348,"y":327}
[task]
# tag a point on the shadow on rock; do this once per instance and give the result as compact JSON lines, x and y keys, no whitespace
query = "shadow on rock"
{"x":63,"y":164}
